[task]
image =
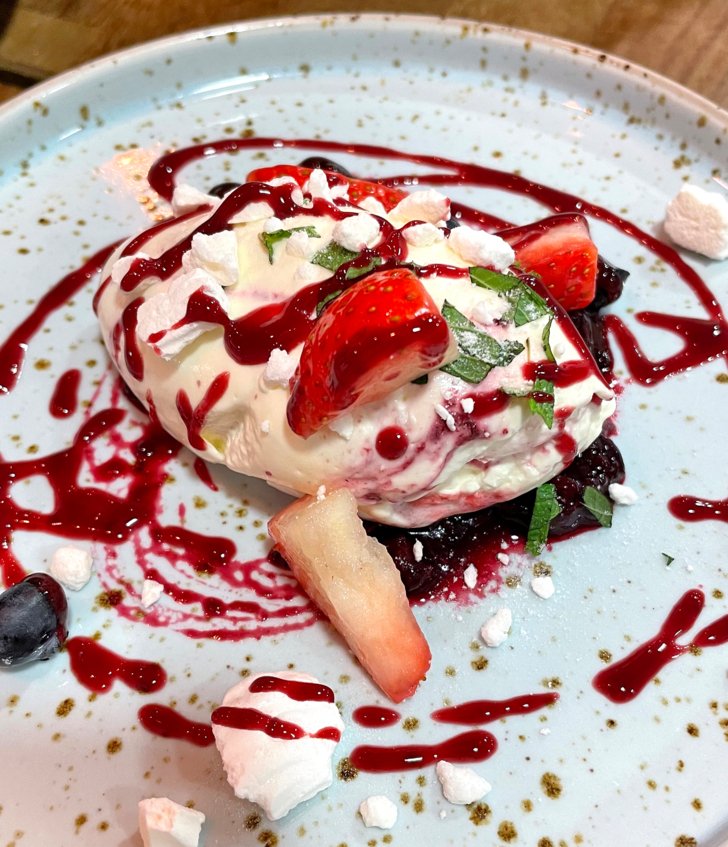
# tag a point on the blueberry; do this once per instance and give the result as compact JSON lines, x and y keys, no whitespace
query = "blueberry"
{"x":325,"y":165}
{"x":223,"y":188}
{"x":32,"y":620}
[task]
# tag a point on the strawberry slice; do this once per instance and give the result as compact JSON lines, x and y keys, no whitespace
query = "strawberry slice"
{"x":381,"y":333}
{"x":561,"y":251}
{"x":353,"y":580}
{"x":358,"y":188}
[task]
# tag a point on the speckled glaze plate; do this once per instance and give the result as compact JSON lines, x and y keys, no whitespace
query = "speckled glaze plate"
{"x":584,"y":772}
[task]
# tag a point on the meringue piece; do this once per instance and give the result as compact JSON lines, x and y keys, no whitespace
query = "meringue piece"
{"x":622,"y":495}
{"x":480,"y":248}
{"x":496,"y":629}
{"x":461,"y":785}
{"x":428,"y":205}
{"x":217,"y":254}
{"x":378,"y":811}
{"x":161,"y":318}
{"x":164,"y":823}
{"x":71,"y":566}
{"x":698,"y":220}
{"x":278,"y":773}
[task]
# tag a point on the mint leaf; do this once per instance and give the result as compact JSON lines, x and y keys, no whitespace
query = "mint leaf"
{"x":599,"y":505}
{"x":333,"y":256}
{"x":270,"y":239}
{"x":542,"y":404}
{"x":529,"y":306}
{"x":322,"y":304}
{"x":354,"y":272}
{"x":546,"y":338}
{"x":526,"y":305}
{"x":479,"y":352}
{"x":545,"y":509}
{"x":484,"y":278}
{"x":668,"y":559}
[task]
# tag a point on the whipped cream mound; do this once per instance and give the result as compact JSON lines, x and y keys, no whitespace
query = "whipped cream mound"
{"x":176,"y":332}
{"x":698,"y":220}
{"x":164,"y":823}
{"x":276,"y":744}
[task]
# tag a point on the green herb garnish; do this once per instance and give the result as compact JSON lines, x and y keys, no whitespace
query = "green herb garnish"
{"x":526,"y":305}
{"x":668,"y":559}
{"x":420,"y":380}
{"x":546,"y":338}
{"x":333,"y":256}
{"x":354,"y":272}
{"x":270,"y":239}
{"x":479,"y":352}
{"x":322,"y":304}
{"x":599,"y":505}
{"x":543,"y":403}
{"x":545,"y":509}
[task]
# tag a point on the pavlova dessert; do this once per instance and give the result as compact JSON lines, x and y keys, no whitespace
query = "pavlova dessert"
{"x":355,"y":346}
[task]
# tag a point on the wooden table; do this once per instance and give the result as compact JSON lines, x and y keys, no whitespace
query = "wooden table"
{"x":682,"y":39}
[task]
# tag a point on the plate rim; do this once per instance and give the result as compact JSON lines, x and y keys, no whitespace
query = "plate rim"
{"x":616,"y":64}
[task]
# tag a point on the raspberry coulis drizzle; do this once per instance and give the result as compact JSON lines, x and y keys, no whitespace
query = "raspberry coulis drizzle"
{"x":92,"y":514}
{"x":623,"y":681}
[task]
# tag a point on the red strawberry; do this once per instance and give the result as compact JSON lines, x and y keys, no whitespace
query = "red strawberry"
{"x":358,"y":188}
{"x":354,"y":581}
{"x":379,"y":334}
{"x":561,"y":251}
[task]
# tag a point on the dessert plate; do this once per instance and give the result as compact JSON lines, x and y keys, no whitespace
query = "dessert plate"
{"x":81,"y":742}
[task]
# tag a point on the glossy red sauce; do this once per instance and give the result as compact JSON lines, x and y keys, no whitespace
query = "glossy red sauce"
{"x":96,"y":667}
{"x":698,"y":509}
{"x":562,"y":375}
{"x":168,"y":723}
{"x":293,"y":688}
{"x":477,"y":712}
{"x":203,"y":473}
{"x":392,"y":443}
{"x":373,"y":717}
{"x":194,"y":418}
{"x":467,"y":748}
{"x":64,"y":400}
{"x":255,"y":721}
{"x":13,"y":350}
{"x":623,"y":680}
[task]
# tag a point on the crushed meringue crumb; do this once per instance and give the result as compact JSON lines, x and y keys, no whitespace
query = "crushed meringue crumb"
{"x":470,"y":576}
{"x":496,"y":629}
{"x":446,"y":416}
{"x":151,"y":592}
{"x":543,"y":586}
{"x":320,"y":493}
{"x":503,"y":558}
{"x":378,"y":811}
{"x":279,"y":368}
{"x":265,"y":426}
{"x":622,"y":495}
{"x":417,"y":550}
{"x":467,"y":404}
{"x":461,"y":785}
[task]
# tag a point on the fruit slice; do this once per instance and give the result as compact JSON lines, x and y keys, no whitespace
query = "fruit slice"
{"x":353,"y":580}
{"x":379,"y":334}
{"x":358,"y":188}
{"x":561,"y":251}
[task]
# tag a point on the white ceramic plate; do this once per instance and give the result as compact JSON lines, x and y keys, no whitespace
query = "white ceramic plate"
{"x":648,"y":772}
